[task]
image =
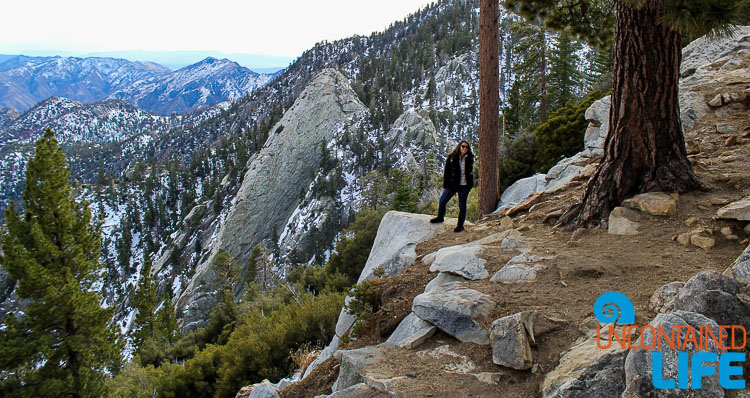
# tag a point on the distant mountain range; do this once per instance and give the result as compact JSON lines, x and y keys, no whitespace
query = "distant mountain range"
{"x":26,"y":81}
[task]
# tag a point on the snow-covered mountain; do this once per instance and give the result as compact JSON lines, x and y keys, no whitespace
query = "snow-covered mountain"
{"x":25,"y":81}
{"x":204,"y":83}
{"x":109,"y":121}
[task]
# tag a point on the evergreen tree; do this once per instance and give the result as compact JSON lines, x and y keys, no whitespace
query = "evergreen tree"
{"x":62,"y":345}
{"x":645,"y":148}
{"x":144,"y":301}
{"x":565,"y":80}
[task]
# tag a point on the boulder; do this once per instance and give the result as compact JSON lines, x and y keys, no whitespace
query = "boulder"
{"x":360,"y":390}
{"x":443,"y":278}
{"x":564,"y":172}
{"x":723,"y":299}
{"x":398,"y":234}
{"x":411,"y":332}
{"x":741,"y":266}
{"x":653,"y":203}
{"x":663,"y":298}
{"x":264,"y":390}
{"x":598,"y":117}
{"x":354,"y":364}
{"x":638,"y":364}
{"x":520,"y":190}
{"x":462,"y":260}
{"x":585,"y":371}
{"x":739,"y":210}
{"x":455,"y":310}
{"x":623,"y":221}
{"x":510,"y":339}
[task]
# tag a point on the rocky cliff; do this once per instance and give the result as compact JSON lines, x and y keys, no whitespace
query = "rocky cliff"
{"x":276,"y":179}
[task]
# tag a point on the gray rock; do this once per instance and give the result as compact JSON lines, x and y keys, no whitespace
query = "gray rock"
{"x":509,"y":339}
{"x":353,"y":365}
{"x":262,"y":205}
{"x":346,"y":320}
{"x":455,"y":310}
{"x":598,"y":117}
{"x":564,"y":172}
{"x":514,"y":273}
{"x":520,"y":190}
{"x":704,"y":51}
{"x":585,"y":370}
{"x":692,"y":108}
{"x":462,"y":260}
{"x":593,"y":373}
{"x":411,"y":139}
{"x":411,"y":332}
{"x":323,"y":356}
{"x":723,"y":128}
{"x":716,"y":296}
{"x":398,"y":234}
{"x":741,"y":266}
{"x":638,"y":364}
{"x":513,"y":240}
{"x":739,"y":210}
{"x":443,"y":278}
{"x":356,"y":366}
{"x":662,"y":300}
{"x":623,"y":221}
{"x":360,"y":390}
{"x":264,"y":390}
{"x":716,"y":101}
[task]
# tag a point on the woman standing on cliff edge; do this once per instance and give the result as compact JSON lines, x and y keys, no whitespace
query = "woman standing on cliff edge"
{"x":457,"y":179}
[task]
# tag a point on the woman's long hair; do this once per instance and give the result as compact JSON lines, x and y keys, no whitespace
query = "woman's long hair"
{"x":457,"y":149}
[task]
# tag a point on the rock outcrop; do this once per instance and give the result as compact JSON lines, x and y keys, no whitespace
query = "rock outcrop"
{"x":274,"y":179}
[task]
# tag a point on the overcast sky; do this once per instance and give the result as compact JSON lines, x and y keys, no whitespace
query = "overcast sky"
{"x":273,"y":27}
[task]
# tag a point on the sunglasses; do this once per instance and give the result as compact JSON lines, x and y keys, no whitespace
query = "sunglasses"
{"x":464,"y":146}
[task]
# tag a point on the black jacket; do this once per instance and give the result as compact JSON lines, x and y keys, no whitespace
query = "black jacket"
{"x":452,"y":173}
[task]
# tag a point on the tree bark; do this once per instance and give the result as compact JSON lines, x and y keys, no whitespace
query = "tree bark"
{"x":489,"y":104}
{"x":645,"y":148}
{"x":543,"y":115}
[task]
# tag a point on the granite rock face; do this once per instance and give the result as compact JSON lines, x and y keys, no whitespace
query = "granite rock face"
{"x":278,"y":172}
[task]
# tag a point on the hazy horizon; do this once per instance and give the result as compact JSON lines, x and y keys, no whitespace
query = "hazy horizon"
{"x":172,"y":59}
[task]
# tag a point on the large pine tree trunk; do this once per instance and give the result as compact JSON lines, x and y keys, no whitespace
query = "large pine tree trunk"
{"x":645,"y":148}
{"x":489,"y":104}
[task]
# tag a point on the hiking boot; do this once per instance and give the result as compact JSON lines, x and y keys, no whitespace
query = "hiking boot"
{"x":458,"y":228}
{"x":436,"y":220}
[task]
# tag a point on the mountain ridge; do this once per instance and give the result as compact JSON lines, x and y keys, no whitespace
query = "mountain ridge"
{"x":25,"y":81}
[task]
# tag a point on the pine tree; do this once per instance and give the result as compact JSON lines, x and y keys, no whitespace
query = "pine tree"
{"x":645,"y":148}
{"x":565,"y":80}
{"x":62,"y":345}
{"x":144,"y":301}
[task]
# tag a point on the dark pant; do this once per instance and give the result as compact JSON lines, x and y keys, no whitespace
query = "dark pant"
{"x":463,"y":193}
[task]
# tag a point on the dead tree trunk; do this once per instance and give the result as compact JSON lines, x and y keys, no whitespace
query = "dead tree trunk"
{"x":645,"y":147}
{"x":489,"y":104}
